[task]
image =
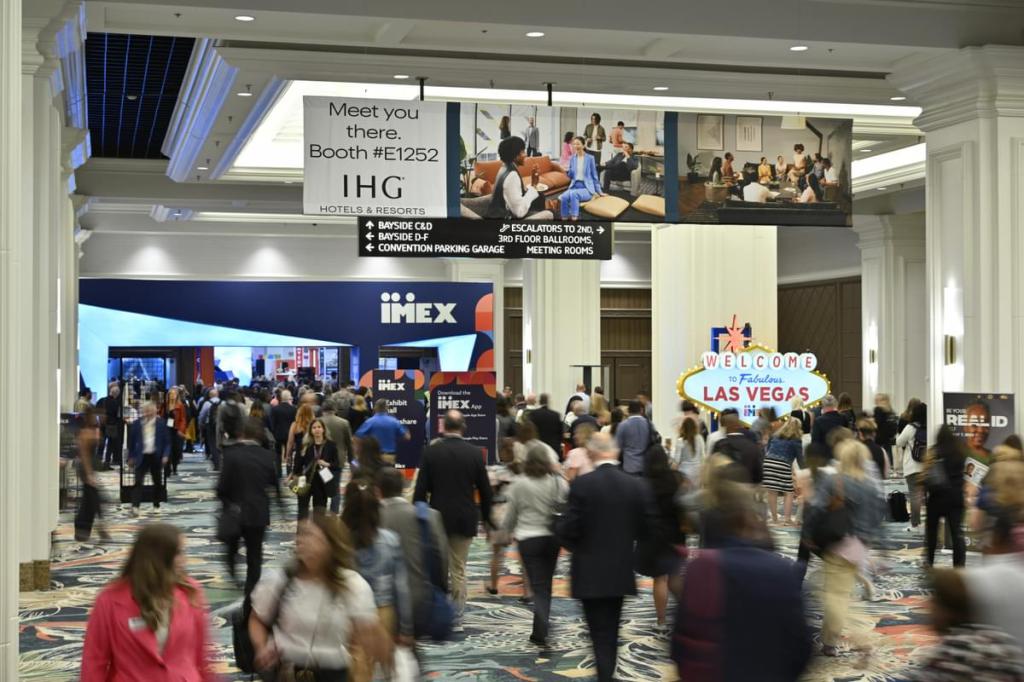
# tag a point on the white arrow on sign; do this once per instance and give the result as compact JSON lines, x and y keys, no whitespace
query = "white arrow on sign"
{"x":369,"y":247}
{"x":369,"y":235}
{"x":600,"y":230}
{"x":369,"y":224}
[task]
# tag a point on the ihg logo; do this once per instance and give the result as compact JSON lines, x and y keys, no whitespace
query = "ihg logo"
{"x":393,"y":311}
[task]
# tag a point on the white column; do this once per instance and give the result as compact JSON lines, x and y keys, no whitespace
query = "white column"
{"x":561,"y":325}
{"x":894,"y":306}
{"x":702,"y":275}
{"x":491,"y":271}
{"x":974,"y":120}
{"x":68,"y":355}
{"x":13,"y":433}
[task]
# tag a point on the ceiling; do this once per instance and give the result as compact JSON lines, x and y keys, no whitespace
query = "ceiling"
{"x":132,"y":83}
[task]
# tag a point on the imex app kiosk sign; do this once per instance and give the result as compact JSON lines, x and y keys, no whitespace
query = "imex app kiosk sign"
{"x":374,"y":158}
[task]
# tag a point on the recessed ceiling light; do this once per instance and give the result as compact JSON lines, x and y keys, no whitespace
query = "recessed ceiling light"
{"x":131,"y":98}
{"x":401,"y":76}
{"x":881,"y":189}
{"x":798,"y":48}
{"x":535,"y":34}
{"x":245,"y":17}
{"x":661,"y":88}
{"x":244,"y":94}
{"x":202,"y":168}
{"x":897,"y":98}
{"x":865,"y":151}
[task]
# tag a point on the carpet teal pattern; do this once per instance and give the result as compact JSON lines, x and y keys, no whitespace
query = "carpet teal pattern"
{"x":494,"y":646}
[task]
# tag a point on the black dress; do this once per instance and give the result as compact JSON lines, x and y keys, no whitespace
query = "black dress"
{"x":656,"y":555}
{"x":320,"y":492}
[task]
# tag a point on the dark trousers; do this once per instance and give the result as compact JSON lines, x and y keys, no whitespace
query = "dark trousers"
{"x":603,"y":622}
{"x":540,"y":555}
{"x":177,"y":444}
{"x":112,"y":442}
{"x":532,"y":151}
{"x":213,"y":448}
{"x":915,"y":491}
{"x":617,"y":172}
{"x":252,"y":536}
{"x":150,"y":463}
{"x":954,"y":517}
{"x":88,"y":510}
{"x":318,"y":495}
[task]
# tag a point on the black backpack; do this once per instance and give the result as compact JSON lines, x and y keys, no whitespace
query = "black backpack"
{"x":919,"y":448}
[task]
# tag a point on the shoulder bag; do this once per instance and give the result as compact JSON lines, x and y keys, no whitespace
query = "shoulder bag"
{"x":245,"y":652}
{"x":832,"y":523}
{"x":558,"y":507}
{"x":435,"y":617}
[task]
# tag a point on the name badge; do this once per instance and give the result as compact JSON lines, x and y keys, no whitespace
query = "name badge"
{"x":136,"y":624}
{"x":170,"y":422}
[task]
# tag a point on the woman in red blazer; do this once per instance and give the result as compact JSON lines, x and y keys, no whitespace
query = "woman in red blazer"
{"x":151,"y":623}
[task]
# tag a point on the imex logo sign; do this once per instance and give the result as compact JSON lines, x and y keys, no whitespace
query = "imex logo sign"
{"x":394,"y":311}
{"x":384,"y":385}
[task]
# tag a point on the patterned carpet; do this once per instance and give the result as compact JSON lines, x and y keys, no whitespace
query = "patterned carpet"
{"x":494,"y":646}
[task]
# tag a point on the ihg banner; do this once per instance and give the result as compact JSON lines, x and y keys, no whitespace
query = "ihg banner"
{"x":491,"y":161}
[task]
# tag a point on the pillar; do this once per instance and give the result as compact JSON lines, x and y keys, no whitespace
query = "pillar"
{"x":68,"y":313}
{"x":14,"y":317}
{"x":894,"y":306}
{"x":491,"y":271}
{"x":974,"y":120}
{"x":561,"y":325}
{"x":702,"y":275}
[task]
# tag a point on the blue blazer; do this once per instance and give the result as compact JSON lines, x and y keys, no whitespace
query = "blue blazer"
{"x":163,"y":441}
{"x":590,"y":179}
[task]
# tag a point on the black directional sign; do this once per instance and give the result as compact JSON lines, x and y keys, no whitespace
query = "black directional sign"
{"x":464,"y":238}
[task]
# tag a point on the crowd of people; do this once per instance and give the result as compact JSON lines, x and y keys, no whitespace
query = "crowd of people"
{"x":380,"y":562}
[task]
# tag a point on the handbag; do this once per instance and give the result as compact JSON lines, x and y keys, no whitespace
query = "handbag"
{"x":436,"y":616}
{"x":245,"y":652}
{"x":304,"y":483}
{"x":229,"y":523}
{"x":832,"y":523}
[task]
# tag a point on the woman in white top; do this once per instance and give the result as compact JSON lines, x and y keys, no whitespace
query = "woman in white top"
{"x":533,"y":501}
{"x":688,"y":452}
{"x":305,"y":619}
{"x":913,"y":469}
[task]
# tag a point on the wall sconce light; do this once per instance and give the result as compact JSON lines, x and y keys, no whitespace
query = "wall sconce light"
{"x":949,"y":348}
{"x":872,"y":356}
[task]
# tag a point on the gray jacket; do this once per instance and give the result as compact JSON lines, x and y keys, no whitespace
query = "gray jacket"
{"x":397,"y":514}
{"x":863,"y":499}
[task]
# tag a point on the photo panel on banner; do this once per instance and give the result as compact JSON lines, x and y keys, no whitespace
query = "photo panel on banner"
{"x":983,"y":421}
{"x":435,"y":160}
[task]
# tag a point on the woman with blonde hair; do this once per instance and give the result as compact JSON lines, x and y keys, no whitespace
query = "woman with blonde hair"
{"x":152,"y":622}
{"x":358,"y":412}
{"x":852,"y":490}
{"x":688,"y":452}
{"x":297,"y":432}
{"x":784,"y":451}
{"x":307,"y":618}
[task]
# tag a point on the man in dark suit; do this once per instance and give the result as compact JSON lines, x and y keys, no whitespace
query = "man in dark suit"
{"x":620,"y":168}
{"x":829,"y":420}
{"x":451,"y":472}
{"x":609,"y":511}
{"x":741,"y":448}
{"x":247,"y":472}
{"x":281,"y":417}
{"x":149,"y":447}
{"x":548,"y":423}
{"x":398,"y":515}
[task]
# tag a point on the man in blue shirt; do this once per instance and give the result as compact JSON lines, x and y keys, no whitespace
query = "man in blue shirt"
{"x":386,"y":429}
{"x":634,"y":437}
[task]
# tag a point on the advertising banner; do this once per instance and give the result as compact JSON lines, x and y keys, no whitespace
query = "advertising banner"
{"x":473,"y":394}
{"x":403,"y":389}
{"x":374,"y":157}
{"x":983,"y":420}
{"x":753,"y":378}
{"x":508,"y":162}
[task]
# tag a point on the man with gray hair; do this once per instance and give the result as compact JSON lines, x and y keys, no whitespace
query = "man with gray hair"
{"x":609,"y":511}
{"x":149,"y":447}
{"x":386,"y":429}
{"x":451,"y":475}
{"x":282,"y":416}
{"x":829,"y":420}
